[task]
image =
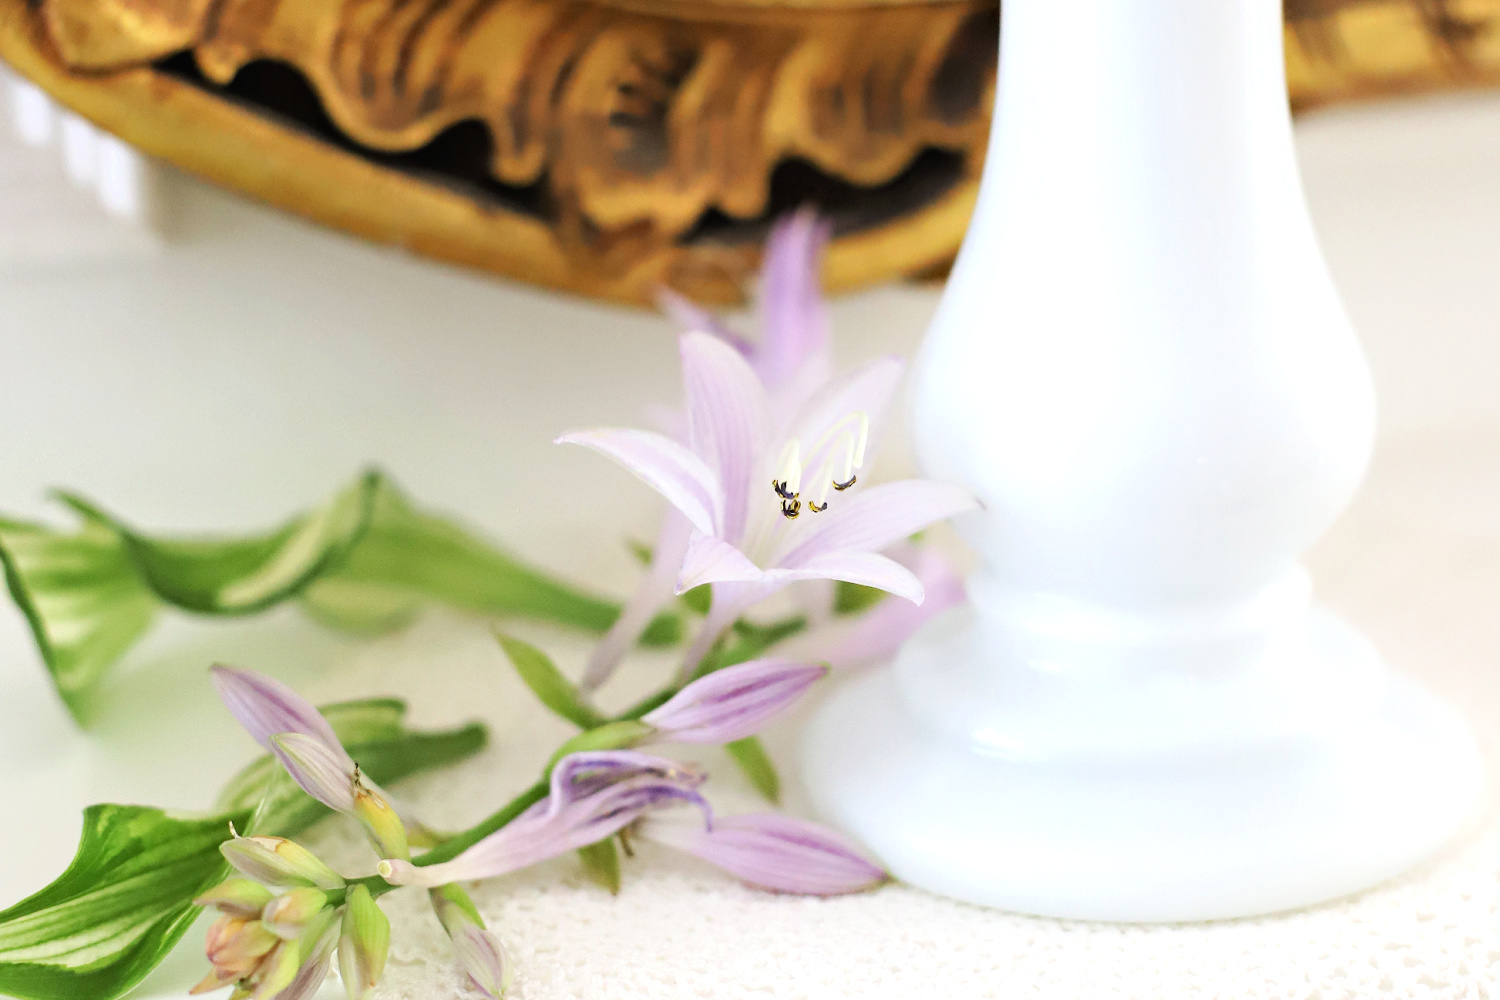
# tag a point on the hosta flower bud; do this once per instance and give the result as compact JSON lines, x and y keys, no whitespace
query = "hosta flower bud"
{"x":277,"y":971}
{"x":288,"y":915}
{"x":379,"y":820}
{"x":235,"y":947}
{"x":238,"y":897}
{"x":735,"y":702}
{"x":364,"y":943}
{"x":476,"y":949}
{"x":276,"y":861}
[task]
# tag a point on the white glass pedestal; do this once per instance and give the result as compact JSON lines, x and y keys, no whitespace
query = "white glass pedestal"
{"x":1143,"y":370}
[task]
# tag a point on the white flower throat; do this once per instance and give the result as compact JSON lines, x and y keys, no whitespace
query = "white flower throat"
{"x":837,"y":456}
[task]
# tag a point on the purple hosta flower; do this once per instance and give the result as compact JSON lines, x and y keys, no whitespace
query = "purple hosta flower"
{"x":792,"y":360}
{"x":592,"y":795}
{"x":765,"y":492}
{"x":770,"y":851}
{"x":876,"y":634}
{"x":284,"y":723}
{"x":733,"y":703}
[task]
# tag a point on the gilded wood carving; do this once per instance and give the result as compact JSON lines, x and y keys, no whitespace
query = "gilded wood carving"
{"x":608,"y":146}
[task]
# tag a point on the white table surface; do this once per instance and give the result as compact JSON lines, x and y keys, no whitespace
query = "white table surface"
{"x":248,"y":363}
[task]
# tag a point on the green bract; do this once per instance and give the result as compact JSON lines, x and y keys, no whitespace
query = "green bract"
{"x":128,"y":895}
{"x":366,"y":561}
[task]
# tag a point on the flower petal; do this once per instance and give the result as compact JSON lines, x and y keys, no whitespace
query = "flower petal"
{"x":661,"y":463}
{"x":479,"y":953}
{"x":868,"y":568}
{"x":793,"y":320}
{"x":593,"y":796}
{"x":693,"y":318}
{"x":655,"y":591}
{"x":735,"y":702}
{"x":727,"y":422}
{"x":265,"y":707}
{"x":867,"y":389}
{"x":772,"y":851}
{"x":878,"y":633}
{"x":878,"y":517}
{"x":317,"y":770}
{"x":711,"y":559}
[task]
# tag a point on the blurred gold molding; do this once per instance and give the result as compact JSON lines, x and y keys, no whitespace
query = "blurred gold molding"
{"x":609,"y":146}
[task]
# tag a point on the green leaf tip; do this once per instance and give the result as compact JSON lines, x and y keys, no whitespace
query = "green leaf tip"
{"x":548,"y":683}
{"x":750,"y":754}
{"x":601,"y":862}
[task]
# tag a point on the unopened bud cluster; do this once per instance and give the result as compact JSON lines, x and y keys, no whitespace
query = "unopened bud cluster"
{"x":278,"y":926}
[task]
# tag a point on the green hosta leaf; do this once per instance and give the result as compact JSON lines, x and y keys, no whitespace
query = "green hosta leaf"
{"x":750,"y":754}
{"x":367,"y":561}
{"x":409,"y":557}
{"x":243,"y":575}
{"x":548,"y":684}
{"x":81,"y":596}
{"x":118,"y":909}
{"x":601,"y":862}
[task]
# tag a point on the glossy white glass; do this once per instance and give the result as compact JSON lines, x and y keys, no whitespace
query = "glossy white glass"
{"x":1142,"y":368}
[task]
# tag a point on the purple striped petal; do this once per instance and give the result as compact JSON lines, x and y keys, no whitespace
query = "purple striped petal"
{"x":654,"y":592}
{"x":878,"y":633}
{"x":793,"y":320}
{"x":669,"y":468}
{"x":479,"y":953}
{"x":693,"y":318}
{"x":879,"y":517}
{"x":772,"y":851}
{"x":867,"y":568}
{"x":266,"y":707}
{"x":593,"y":795}
{"x":709,"y":559}
{"x":735,"y":702}
{"x":727,"y":422}
{"x":867,"y":389}
{"x":317,"y":770}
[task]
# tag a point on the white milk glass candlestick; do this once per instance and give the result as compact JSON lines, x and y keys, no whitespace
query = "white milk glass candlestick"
{"x":1143,"y":370}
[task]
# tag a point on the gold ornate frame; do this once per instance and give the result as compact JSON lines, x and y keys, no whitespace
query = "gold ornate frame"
{"x":609,"y":146}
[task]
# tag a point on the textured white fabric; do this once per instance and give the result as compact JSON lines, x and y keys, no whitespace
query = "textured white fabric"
{"x":1417,"y":563}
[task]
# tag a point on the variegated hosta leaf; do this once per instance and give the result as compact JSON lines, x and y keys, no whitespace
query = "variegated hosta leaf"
{"x":367,"y":561}
{"x":127,"y":898}
{"x":409,"y":557}
{"x":82,"y":597}
{"x":117,"y":910}
{"x":239,"y":576}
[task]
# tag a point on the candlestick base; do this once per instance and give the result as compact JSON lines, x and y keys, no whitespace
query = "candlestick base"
{"x":1311,"y":773}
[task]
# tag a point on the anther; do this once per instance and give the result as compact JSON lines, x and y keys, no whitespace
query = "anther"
{"x":791,"y":508}
{"x":815,"y":508}
{"x":841,"y":487}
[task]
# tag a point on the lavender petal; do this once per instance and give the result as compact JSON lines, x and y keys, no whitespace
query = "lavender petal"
{"x":735,"y":702}
{"x":772,"y":851}
{"x":265,"y":707}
